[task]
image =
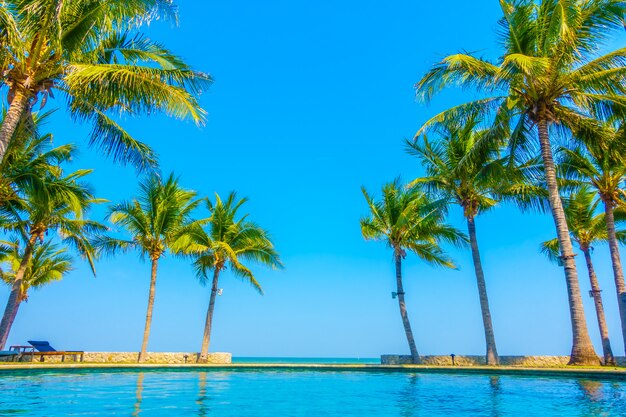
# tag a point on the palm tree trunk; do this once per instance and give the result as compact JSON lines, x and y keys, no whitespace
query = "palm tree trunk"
{"x":206,"y":338}
{"x":10,"y":312}
{"x":146,"y":331}
{"x":15,"y":298}
{"x":618,"y":272}
{"x":597,"y":300}
{"x":405,"y":317}
{"x":12,"y":119}
{"x":582,"y":349}
{"x":490,"y":339}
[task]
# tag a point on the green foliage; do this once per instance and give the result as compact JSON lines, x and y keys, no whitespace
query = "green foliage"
{"x":550,"y":70}
{"x":406,"y":219}
{"x":600,"y":163}
{"x":228,"y":239}
{"x":49,"y":263}
{"x":93,"y":53}
{"x":551,"y":249}
{"x":154,"y":220}
{"x":57,"y":203}
{"x":586,"y":227}
{"x":476,"y":178}
{"x":29,"y":159}
{"x":37,"y":197}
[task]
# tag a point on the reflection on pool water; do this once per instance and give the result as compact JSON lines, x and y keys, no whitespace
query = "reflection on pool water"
{"x":302,"y":393}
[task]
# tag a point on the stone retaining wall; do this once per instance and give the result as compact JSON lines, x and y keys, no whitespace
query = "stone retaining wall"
{"x":217,"y":358}
{"x":474,"y":360}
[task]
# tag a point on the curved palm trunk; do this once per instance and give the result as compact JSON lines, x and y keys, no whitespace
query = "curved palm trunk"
{"x":618,"y":272}
{"x":582,"y":349}
{"x":10,"y":312}
{"x":597,"y":300}
{"x":206,"y":337}
{"x":491,"y":357}
{"x":15,"y":298}
{"x":146,"y":331}
{"x":12,"y":119}
{"x":405,"y":317}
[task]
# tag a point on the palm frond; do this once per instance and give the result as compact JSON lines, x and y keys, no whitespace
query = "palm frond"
{"x":405,"y":218}
{"x":550,"y":249}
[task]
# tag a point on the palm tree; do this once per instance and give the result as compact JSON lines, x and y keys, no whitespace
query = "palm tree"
{"x":473,"y":180}
{"x":30,"y":159}
{"x":601,"y":164}
{"x":154,"y":220}
{"x":407,"y":220}
{"x":550,"y":76}
{"x":49,"y":263}
{"x":54,"y":204}
{"x":92,"y":52}
{"x":228,"y":241}
{"x":587,"y":229}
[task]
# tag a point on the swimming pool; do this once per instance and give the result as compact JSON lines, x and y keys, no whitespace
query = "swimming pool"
{"x":282,"y":392}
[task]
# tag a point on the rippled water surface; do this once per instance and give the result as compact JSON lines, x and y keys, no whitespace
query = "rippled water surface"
{"x":302,"y":393}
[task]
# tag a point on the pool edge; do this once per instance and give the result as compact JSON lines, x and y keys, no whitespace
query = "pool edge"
{"x":574,"y":372}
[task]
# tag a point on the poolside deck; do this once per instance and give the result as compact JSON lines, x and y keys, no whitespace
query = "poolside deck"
{"x":615,"y":373}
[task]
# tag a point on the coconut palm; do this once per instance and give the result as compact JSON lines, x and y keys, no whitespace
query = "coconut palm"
{"x":30,"y":159}
{"x":49,"y":262}
{"x":57,"y":204}
{"x":601,"y":164}
{"x":93,"y":53}
{"x":588,"y":228}
{"x":154,"y":220}
{"x":476,"y":181}
{"x":407,"y":220}
{"x":229,"y":241}
{"x":550,"y":77}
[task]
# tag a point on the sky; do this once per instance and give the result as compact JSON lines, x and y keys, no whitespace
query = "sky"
{"x":311,"y":101}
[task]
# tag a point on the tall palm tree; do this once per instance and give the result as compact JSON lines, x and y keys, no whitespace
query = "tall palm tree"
{"x":154,"y":220}
{"x":588,"y":228}
{"x":93,"y":53}
{"x":407,"y":220}
{"x":49,"y":263}
{"x":229,"y":240}
{"x":601,"y":164}
{"x":476,"y":181}
{"x":57,"y":204}
{"x":550,"y":77}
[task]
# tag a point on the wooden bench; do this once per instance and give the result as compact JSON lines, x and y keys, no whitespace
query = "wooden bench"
{"x":60,"y":353}
{"x":44,"y":349}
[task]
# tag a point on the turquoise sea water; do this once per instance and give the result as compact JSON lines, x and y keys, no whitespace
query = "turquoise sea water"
{"x":275,"y":392}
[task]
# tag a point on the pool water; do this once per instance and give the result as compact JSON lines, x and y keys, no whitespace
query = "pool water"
{"x":302,"y":393}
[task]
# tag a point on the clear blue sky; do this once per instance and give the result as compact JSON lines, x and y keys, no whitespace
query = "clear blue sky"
{"x":312,"y":99}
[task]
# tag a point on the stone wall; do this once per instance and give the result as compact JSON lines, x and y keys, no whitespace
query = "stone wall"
{"x":218,"y":358}
{"x":527,"y":361}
